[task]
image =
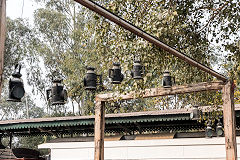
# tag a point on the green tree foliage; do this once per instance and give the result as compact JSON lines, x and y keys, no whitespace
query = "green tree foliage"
{"x":67,"y":37}
{"x":18,"y":47}
{"x":16,"y":44}
{"x":71,"y":37}
{"x":13,"y":110}
{"x":20,"y":40}
{"x":29,"y":142}
{"x":74,"y":37}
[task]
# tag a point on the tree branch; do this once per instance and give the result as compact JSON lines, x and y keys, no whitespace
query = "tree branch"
{"x":217,"y":11}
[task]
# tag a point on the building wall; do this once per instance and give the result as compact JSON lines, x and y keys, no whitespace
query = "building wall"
{"x":164,"y":149}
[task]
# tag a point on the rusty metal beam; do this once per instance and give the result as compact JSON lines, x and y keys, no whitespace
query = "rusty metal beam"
{"x":155,"y":92}
{"x":132,"y":28}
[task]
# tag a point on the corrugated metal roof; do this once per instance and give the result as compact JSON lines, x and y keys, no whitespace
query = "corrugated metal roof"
{"x":121,"y":118}
{"x":135,"y":117}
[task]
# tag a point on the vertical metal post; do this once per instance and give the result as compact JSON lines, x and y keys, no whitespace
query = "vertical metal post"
{"x":2,"y":38}
{"x":137,"y":31}
{"x":99,"y":130}
{"x":27,"y":106}
{"x":229,"y":121}
{"x":10,"y":140}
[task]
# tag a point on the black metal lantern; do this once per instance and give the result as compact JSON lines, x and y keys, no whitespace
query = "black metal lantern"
{"x":57,"y":94}
{"x":195,"y":114}
{"x":167,"y":79}
{"x":115,"y":74}
{"x":16,"y":89}
{"x":91,"y":79}
{"x":219,"y":129}
{"x":138,"y":70}
{"x":209,"y":132}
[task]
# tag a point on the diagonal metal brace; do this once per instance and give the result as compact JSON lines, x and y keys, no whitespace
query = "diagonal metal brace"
{"x":137,"y":31}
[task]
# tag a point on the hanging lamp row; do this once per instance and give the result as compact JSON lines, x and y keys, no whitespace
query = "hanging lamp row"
{"x":92,"y":80}
{"x":57,"y":95}
{"x":209,"y":132}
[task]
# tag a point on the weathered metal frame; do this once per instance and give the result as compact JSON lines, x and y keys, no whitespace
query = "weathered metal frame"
{"x":150,"y":38}
{"x":228,"y":111}
{"x":155,"y":92}
{"x":227,"y":89}
{"x":2,"y":38}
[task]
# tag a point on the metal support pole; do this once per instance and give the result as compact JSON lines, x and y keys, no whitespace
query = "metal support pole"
{"x":229,"y":121}
{"x":27,"y":106}
{"x":10,"y":140}
{"x":137,"y":31}
{"x":99,"y":130}
{"x":2,"y":38}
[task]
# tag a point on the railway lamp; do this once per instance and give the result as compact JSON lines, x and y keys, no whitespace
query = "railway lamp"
{"x":91,"y":79}
{"x":16,"y":89}
{"x":195,"y":114}
{"x":219,"y":129}
{"x":57,"y":95}
{"x":209,"y":132}
{"x":115,"y":74}
{"x":167,"y":79}
{"x":138,"y":70}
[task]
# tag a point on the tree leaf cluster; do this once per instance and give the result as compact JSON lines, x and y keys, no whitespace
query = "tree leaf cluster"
{"x":70,"y":37}
{"x":75,"y":37}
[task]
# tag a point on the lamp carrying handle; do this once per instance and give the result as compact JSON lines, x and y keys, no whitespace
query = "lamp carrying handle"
{"x":131,"y":72}
{"x":174,"y":81}
{"x":16,"y":65}
{"x":84,"y":81}
{"x":110,"y":73}
{"x":19,"y":68}
{"x":143,"y":70}
{"x":48,"y":93}
{"x":64,"y":94}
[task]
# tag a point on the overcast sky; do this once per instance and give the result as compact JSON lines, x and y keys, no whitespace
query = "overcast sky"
{"x":21,"y":8}
{"x":24,"y":9}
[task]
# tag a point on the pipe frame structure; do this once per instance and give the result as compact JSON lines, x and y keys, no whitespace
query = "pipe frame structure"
{"x":227,"y":89}
{"x":137,"y":31}
{"x":229,"y":118}
{"x":2,"y":39}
